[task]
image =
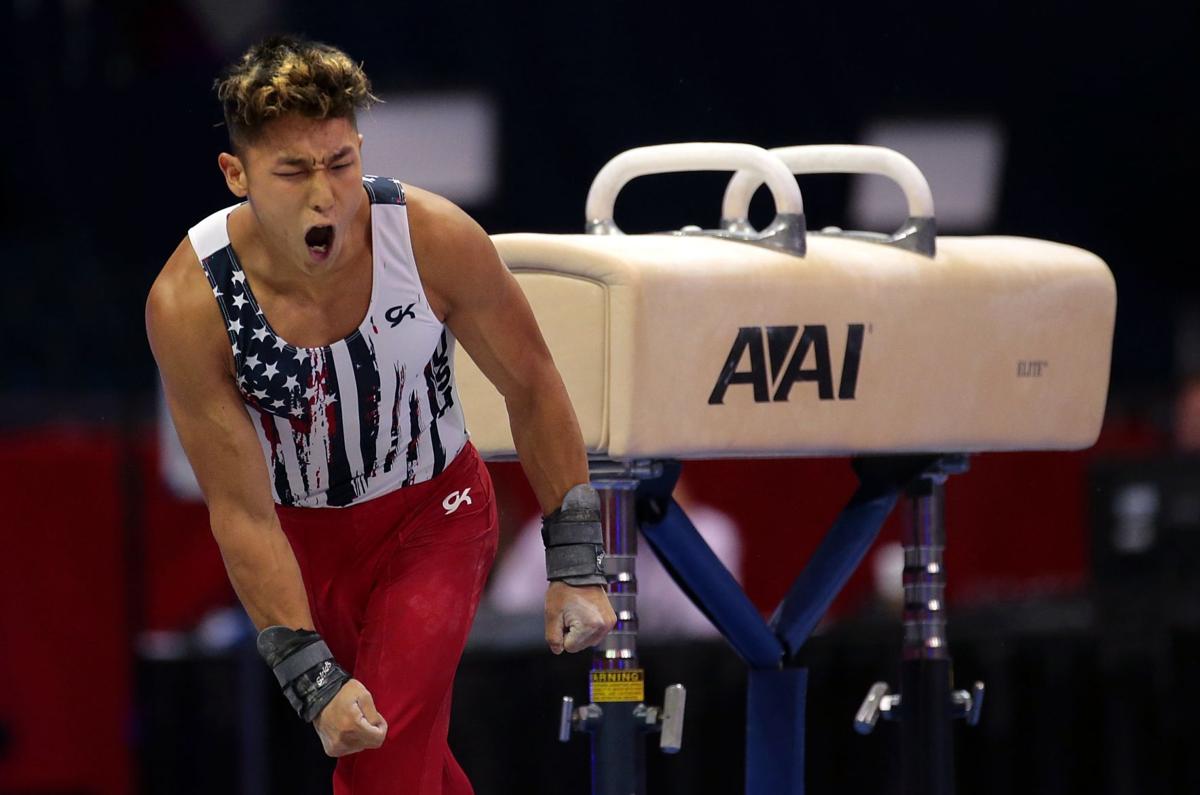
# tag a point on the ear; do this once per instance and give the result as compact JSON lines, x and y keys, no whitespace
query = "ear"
{"x":235,"y":174}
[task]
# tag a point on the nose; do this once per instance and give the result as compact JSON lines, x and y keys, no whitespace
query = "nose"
{"x":321,"y":192}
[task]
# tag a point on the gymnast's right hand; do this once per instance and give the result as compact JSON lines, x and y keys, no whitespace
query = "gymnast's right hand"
{"x":350,"y":723}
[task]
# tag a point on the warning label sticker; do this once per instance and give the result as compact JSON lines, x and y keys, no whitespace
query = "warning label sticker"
{"x":627,"y":685}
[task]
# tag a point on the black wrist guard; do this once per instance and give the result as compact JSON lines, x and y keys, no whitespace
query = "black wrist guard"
{"x":304,"y":668}
{"x":574,"y":540}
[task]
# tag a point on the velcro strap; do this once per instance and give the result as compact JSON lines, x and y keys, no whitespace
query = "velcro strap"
{"x":556,"y":534}
{"x":573,"y":561}
{"x":296,"y":664}
{"x":574,"y":539}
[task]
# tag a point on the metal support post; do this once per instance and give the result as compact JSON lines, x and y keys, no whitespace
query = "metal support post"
{"x":926,"y":705}
{"x":617,"y":716}
{"x":926,"y":725}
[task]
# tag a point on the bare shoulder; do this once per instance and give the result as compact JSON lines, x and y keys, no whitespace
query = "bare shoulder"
{"x":454,"y":254}
{"x":437,"y":222}
{"x":182,"y":316}
{"x":191,"y":346}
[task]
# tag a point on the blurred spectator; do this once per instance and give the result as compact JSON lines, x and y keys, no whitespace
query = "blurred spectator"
{"x":1187,"y":416}
{"x":1186,"y":407}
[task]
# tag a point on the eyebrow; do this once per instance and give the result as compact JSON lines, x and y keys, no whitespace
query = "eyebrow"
{"x":284,"y":160}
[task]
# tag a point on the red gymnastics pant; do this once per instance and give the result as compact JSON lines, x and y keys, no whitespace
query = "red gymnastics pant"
{"x":393,"y":584}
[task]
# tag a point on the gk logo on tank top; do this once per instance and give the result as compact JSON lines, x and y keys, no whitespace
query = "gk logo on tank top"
{"x":398,"y":313}
{"x":455,"y":499}
{"x":362,"y":416}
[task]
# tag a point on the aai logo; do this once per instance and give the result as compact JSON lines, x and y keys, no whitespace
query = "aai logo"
{"x":771,"y":345}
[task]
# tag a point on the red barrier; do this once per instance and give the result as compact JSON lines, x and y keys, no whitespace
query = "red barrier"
{"x":66,"y":701}
{"x":182,"y":571}
{"x":80,"y":505}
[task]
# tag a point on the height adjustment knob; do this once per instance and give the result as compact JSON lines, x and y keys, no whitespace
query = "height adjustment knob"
{"x":879,"y":701}
{"x":564,"y":720}
{"x":968,"y":704}
{"x":671,"y":739}
{"x":582,"y":719}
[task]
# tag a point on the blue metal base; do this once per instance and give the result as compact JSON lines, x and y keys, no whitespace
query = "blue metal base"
{"x":775,"y":732}
{"x":618,"y":751}
{"x":775,"y":709}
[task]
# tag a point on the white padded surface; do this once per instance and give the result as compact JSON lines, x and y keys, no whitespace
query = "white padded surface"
{"x":640,"y":327}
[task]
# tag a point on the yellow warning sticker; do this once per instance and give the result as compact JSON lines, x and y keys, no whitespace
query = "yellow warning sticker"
{"x":629,"y":685}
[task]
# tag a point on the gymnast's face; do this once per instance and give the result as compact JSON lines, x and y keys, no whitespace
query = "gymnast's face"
{"x":303,"y":178}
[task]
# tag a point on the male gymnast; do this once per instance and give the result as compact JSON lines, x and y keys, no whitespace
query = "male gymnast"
{"x":305,"y":340}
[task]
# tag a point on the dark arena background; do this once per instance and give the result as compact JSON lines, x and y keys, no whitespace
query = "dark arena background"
{"x":1073,"y":579}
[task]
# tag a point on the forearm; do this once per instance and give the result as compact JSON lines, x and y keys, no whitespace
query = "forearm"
{"x":263,"y":570}
{"x":548,"y":440}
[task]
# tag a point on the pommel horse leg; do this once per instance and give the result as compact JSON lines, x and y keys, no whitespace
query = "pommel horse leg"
{"x":617,"y":717}
{"x":926,"y":705}
{"x":775,"y":707}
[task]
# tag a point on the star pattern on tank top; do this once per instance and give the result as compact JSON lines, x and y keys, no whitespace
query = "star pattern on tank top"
{"x":335,"y":426}
{"x":270,"y":372}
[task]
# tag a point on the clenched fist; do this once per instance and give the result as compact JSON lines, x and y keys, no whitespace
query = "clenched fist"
{"x":350,"y":723}
{"x":577,"y":617}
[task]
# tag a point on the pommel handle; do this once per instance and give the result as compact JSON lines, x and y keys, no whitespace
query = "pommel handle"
{"x":788,"y":225}
{"x":917,"y":232}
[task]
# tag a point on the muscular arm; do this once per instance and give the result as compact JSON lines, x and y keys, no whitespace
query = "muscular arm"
{"x":483,"y":306}
{"x":191,"y":347}
{"x":470,"y":288}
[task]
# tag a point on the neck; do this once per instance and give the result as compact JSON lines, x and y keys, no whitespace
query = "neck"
{"x":274,"y":266}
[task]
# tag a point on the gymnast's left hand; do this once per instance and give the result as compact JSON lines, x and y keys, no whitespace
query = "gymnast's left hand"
{"x":577,"y":617}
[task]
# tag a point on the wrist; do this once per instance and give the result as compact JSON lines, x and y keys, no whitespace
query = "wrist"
{"x":574,"y":539}
{"x":304,"y":668}
{"x":572,"y":583}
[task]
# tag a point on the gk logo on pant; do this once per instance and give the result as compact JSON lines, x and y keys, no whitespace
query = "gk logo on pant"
{"x":455,"y":499}
{"x":785,"y":372}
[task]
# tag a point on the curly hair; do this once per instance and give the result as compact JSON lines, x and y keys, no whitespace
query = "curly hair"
{"x":287,"y":74}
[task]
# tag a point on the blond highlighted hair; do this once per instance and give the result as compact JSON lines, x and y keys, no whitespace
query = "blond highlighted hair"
{"x":285,"y":74}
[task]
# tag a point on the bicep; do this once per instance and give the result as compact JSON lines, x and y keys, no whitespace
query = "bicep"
{"x":483,"y":305}
{"x":210,"y":418}
{"x":493,"y":321}
{"x":223,"y":449}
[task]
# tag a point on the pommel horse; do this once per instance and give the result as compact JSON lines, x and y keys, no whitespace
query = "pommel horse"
{"x":905,"y":352}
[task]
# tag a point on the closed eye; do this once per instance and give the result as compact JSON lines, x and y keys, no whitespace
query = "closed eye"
{"x":338,"y":167}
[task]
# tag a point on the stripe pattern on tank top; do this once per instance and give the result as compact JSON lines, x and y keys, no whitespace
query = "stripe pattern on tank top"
{"x":363,"y":416}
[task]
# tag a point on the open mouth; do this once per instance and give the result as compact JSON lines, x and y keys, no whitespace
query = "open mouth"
{"x":319,"y":239}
